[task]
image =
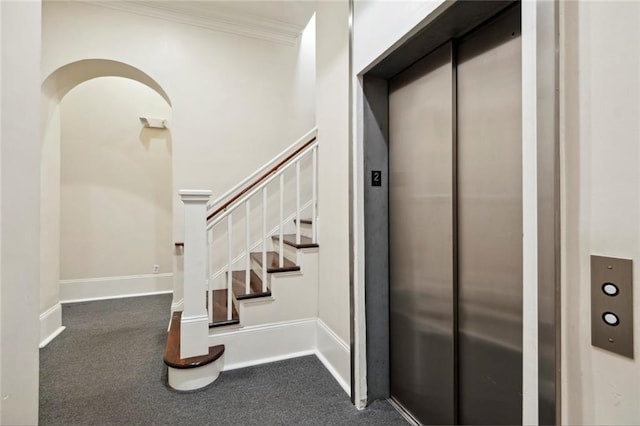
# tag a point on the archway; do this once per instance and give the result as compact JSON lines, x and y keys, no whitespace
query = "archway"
{"x":65,"y":78}
{"x":91,"y":75}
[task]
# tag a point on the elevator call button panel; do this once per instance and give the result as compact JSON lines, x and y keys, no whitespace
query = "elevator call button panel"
{"x":612,"y":304}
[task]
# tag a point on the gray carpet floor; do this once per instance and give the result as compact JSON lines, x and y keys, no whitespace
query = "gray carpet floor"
{"x":106,"y":368}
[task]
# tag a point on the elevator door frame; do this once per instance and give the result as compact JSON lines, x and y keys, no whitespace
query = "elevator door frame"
{"x":540,"y":105}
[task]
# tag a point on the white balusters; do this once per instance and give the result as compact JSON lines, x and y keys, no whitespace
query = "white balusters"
{"x":229,"y":267}
{"x":298,"y":202}
{"x":247,"y":245}
{"x":209,"y":276}
{"x":314,"y":197}
{"x":281,"y":223}
{"x":217,"y":264}
{"x":264,"y":239}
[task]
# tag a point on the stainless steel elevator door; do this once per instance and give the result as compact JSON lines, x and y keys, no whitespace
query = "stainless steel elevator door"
{"x":489,"y":203}
{"x":455,"y":230}
{"x":420,"y":238}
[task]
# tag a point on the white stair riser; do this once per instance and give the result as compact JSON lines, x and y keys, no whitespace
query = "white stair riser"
{"x":293,"y":296}
{"x":290,"y":253}
{"x":233,"y":299}
{"x":188,"y":379}
{"x":257,"y":268}
{"x":306,"y":229}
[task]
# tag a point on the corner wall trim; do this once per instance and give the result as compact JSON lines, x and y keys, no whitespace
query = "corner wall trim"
{"x":262,"y":344}
{"x":88,"y":289}
{"x":50,"y":324}
{"x":335,"y":355}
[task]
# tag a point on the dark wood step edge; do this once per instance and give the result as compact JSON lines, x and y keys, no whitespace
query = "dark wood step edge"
{"x":225,"y":322}
{"x":172,"y":349}
{"x":239,"y":283}
{"x":305,"y":221}
{"x":276,"y":270}
{"x":294,"y":245}
{"x":253,"y":295}
{"x":271,"y":269}
{"x":235,"y":315}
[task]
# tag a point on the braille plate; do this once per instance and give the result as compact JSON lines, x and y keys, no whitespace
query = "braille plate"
{"x":614,"y":338}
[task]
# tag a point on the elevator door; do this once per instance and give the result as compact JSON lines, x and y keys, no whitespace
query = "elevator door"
{"x":455,"y":230}
{"x":490,"y":223}
{"x":421,"y":238}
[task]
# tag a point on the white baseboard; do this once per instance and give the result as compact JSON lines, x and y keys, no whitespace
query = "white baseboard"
{"x":177,"y":306}
{"x":262,"y":344}
{"x":335,"y":355}
{"x":50,"y":324}
{"x":83,"y":290}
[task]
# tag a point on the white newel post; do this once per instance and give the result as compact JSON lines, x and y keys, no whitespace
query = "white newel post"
{"x":194,"y":325}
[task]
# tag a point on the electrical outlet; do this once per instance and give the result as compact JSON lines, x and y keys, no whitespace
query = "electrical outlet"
{"x":156,"y":269}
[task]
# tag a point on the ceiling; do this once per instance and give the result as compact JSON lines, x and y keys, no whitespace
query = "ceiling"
{"x":293,"y":12}
{"x":278,"y":21}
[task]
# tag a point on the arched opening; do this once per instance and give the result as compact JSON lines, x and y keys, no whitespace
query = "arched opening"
{"x":106,"y":185}
{"x":65,"y":78}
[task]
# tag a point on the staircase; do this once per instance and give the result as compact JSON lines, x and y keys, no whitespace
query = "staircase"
{"x":255,"y":291}
{"x":250,"y":263}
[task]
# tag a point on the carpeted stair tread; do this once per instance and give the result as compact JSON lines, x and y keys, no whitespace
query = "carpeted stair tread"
{"x":273,"y":262}
{"x":255,"y":286}
{"x":220,"y":310}
{"x":290,"y":240}
{"x":172,"y":349}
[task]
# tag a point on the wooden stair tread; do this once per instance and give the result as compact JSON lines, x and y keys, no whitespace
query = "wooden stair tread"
{"x":172,"y":349}
{"x":255,"y":286}
{"x":305,"y":221}
{"x":290,"y":240}
{"x":220,"y":310}
{"x":273,"y":263}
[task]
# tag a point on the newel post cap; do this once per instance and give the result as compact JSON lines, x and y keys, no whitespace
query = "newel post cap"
{"x":194,"y":194}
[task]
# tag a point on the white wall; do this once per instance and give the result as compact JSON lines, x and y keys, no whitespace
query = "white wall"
{"x":332,"y":116}
{"x":49,"y":204}
{"x":378,"y":24}
{"x":115,"y":181}
{"x":601,"y":197}
{"x":230,"y":94}
{"x":19,"y":210}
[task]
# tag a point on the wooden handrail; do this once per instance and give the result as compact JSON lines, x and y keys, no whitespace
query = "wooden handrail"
{"x":260,"y":179}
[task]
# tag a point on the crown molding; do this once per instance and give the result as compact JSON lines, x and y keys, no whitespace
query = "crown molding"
{"x":214,"y":19}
